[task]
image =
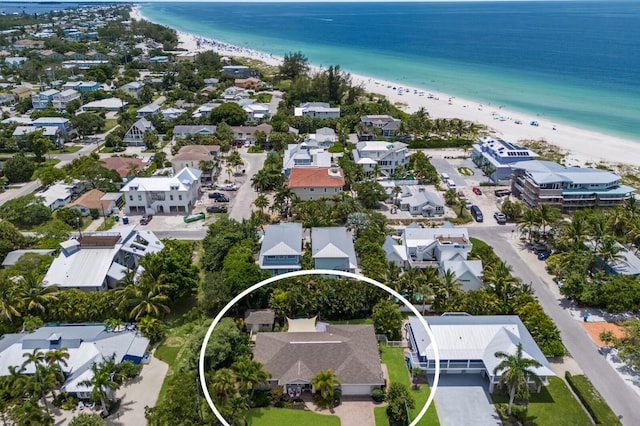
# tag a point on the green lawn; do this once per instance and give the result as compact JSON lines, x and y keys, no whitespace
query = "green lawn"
{"x":284,"y":416}
{"x":70,"y":149}
{"x":554,"y":405}
{"x":353,"y":321}
{"x":109,"y":124}
{"x":398,"y":372}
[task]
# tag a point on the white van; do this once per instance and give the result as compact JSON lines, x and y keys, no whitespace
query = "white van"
{"x":451,"y":184}
{"x":445,"y":177}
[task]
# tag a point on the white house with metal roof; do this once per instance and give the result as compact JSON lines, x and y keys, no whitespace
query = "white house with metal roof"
{"x":57,"y":195}
{"x":468,"y":344}
{"x":148,"y":110}
{"x":332,"y":248}
{"x":86,"y":345}
{"x":420,"y":200}
{"x":316,"y":110}
{"x":281,"y":249}
{"x":387,"y":155}
{"x":305,"y":154}
{"x":98,"y":261}
{"x":163,"y":194}
{"x":567,"y":188}
{"x":500,"y":154}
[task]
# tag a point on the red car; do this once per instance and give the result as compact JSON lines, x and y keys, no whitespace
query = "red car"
{"x":476,"y":190}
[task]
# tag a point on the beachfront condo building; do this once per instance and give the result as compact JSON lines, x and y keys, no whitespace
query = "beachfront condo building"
{"x":499,"y":154}
{"x":567,"y":188}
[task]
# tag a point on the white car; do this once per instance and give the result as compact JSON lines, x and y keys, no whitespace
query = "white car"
{"x":229,"y":187}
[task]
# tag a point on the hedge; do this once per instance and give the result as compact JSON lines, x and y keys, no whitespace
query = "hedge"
{"x":592,"y":400}
{"x":439,"y":143}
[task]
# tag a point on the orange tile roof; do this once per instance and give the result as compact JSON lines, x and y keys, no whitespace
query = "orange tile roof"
{"x":91,"y":200}
{"x":122,"y":164}
{"x":301,"y":177}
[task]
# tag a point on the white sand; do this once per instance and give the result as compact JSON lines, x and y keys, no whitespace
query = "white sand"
{"x":582,"y":145}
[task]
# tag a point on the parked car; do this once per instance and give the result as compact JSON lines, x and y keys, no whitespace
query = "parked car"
{"x":502,"y":192}
{"x":500,"y":218}
{"x":217,"y":209}
{"x":477,"y":190}
{"x":539,"y":248}
{"x":229,"y":187}
{"x":543,"y":255}
{"x":146,"y":219}
{"x":476,"y":213}
{"x":223,"y":199}
{"x":216,"y":195}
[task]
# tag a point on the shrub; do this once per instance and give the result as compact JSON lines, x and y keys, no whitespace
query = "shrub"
{"x":377,"y":395}
{"x":592,"y":400}
{"x":94,"y":213}
{"x":262,"y":398}
{"x":128,"y":369}
{"x":254,"y":149}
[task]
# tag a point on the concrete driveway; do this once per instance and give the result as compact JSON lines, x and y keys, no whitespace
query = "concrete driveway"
{"x":352,"y":411}
{"x":463,"y":399}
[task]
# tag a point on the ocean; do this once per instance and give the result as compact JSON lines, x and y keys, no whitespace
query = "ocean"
{"x":575,"y":62}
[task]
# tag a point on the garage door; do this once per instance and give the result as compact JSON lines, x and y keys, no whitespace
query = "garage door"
{"x":356,"y":389}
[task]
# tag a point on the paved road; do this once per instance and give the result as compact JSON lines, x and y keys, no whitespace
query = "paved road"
{"x":246,"y":194}
{"x":615,"y":391}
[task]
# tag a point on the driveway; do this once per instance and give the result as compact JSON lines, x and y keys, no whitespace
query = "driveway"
{"x":352,"y":411}
{"x":463,"y":399}
{"x":241,"y":208}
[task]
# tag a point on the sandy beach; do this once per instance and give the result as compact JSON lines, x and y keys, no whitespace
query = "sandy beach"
{"x":582,"y":145}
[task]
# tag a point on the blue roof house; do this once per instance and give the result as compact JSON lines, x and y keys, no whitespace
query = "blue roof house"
{"x":281,"y":249}
{"x":332,"y":248}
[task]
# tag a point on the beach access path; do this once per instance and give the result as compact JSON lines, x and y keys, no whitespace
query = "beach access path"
{"x":619,"y":395}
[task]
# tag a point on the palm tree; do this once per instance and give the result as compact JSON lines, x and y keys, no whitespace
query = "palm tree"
{"x":224,"y":384}
{"x":104,"y":382}
{"x":576,"y":231}
{"x":528,"y":221}
{"x":57,"y":357}
{"x":516,"y":373}
{"x":499,"y":276}
{"x":447,"y":287}
{"x":548,"y":216}
{"x":609,"y":252}
{"x":35,"y":357}
{"x":33,"y":295}
{"x":261,"y":202}
{"x":228,"y":171}
{"x":250,"y":374}
{"x":324,"y":383}
{"x":356,"y":222}
{"x":8,"y":300}
{"x":148,"y":297}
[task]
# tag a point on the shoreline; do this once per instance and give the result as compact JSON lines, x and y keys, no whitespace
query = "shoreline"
{"x":582,"y":146}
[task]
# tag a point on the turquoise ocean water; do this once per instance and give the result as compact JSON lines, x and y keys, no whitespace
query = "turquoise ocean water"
{"x":576,"y":62}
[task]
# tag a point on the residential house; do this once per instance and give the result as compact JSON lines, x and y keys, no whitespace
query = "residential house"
{"x":240,"y":71}
{"x":83,"y":64}
{"x":187,"y":56}
{"x":14,"y":256}
{"x":388,"y":156}
{"x":193,"y":156}
{"x":7,"y":99}
{"x":15,"y":61}
{"x":163,"y":194}
{"x":294,"y":357}
{"x":95,"y":199}
{"x":82,"y":86}
{"x":62,"y":99}
{"x":317,"y":110}
{"x":110,"y":104}
{"x":256,"y":112}
{"x":324,"y":136}
{"x":184,"y":131}
{"x":147,"y":110}
{"x":26,"y":43}
{"x":159,"y":59}
{"x":257,"y":320}
{"x":20,"y":133}
{"x":50,"y":54}
{"x":419,"y":200}
{"x":125,"y":166}
{"x":172,"y":113}
{"x":497,"y":155}
{"x":445,"y":248}
{"x":135,"y":134}
{"x":281,"y":249}
{"x":21,"y":92}
{"x":378,"y":125}
{"x":74,"y":55}
{"x":247,"y":83}
{"x":332,"y":248}
{"x":56,"y":195}
{"x":207,"y":90}
{"x":567,"y":188}
{"x":98,"y":261}
{"x":86,"y":344}
{"x":234,"y":94}
{"x":625,"y":261}
{"x":204,"y":110}
{"x":312,"y":183}
{"x":134,"y":88}
{"x":43,"y":100}
{"x":468,"y":345}
{"x":305,"y":154}
{"x":243,"y":134}
{"x":63,"y":124}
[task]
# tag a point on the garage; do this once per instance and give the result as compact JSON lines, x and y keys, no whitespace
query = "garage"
{"x":356,"y":389}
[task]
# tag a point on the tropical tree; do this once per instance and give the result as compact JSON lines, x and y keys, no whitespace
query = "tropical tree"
{"x":446,"y":288}
{"x":516,"y":373}
{"x":399,"y":399}
{"x":356,"y":222}
{"x":528,"y":222}
{"x":9,"y":303}
{"x":104,"y":382}
{"x":147,"y":298}
{"x":547,"y":216}
{"x":224,"y":384}
{"x":249,"y":374}
{"x":33,"y":295}
{"x":501,"y":281}
{"x":324,"y":384}
{"x":387,"y":319}
{"x":608,"y":251}
{"x":261,"y":202}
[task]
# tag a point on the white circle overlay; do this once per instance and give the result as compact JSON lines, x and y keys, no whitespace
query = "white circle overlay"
{"x":300,"y":273}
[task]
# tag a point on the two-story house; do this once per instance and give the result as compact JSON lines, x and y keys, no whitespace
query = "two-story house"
{"x":147,"y":110}
{"x":316,"y":110}
{"x":43,"y":100}
{"x":163,"y":194}
{"x":378,"y":125}
{"x":201,"y":157}
{"x":134,"y":88}
{"x":281,"y":249}
{"x":305,"y":154}
{"x":312,"y":183}
{"x":63,"y":124}
{"x":332,"y":248}
{"x":62,"y":99}
{"x":135,"y":134}
{"x":82,"y":86}
{"x":388,"y":156}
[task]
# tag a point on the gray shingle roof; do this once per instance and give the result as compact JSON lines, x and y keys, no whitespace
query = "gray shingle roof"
{"x":259,"y":316}
{"x":350,"y":351}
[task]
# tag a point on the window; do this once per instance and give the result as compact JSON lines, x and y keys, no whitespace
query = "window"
{"x":311,"y":189}
{"x":171,"y":197}
{"x":130,"y":197}
{"x":325,"y":190}
{"x":139,"y":197}
{"x":180,"y":197}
